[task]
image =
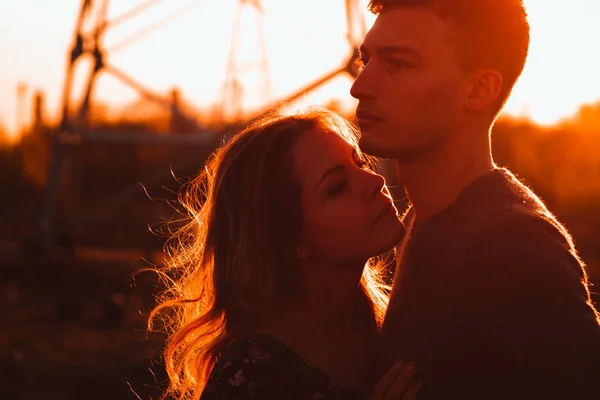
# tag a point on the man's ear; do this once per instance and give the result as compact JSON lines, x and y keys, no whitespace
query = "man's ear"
{"x":485,"y":89}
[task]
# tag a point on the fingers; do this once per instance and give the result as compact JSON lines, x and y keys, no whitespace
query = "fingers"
{"x":397,"y":382}
{"x":405,"y":378}
{"x":386,"y":381}
{"x":411,"y":391}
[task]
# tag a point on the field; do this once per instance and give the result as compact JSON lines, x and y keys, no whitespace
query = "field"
{"x":74,"y":318}
{"x":75,"y":327}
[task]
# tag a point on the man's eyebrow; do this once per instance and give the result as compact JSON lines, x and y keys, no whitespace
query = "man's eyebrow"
{"x":390,"y":50}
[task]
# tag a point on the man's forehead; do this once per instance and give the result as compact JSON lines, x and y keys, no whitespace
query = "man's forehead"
{"x":405,"y":27}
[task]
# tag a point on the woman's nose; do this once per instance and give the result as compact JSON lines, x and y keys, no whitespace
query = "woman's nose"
{"x":375,"y":184}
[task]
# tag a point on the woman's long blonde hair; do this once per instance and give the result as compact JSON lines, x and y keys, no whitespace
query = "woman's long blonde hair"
{"x":231,"y":263}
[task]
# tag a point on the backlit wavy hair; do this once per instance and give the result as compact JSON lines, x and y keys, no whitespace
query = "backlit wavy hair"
{"x":232,"y":264}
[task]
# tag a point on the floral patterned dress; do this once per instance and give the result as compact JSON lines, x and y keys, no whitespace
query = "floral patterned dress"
{"x":261,"y":367}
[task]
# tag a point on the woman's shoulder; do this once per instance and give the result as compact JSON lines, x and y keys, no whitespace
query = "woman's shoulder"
{"x":254,"y":366}
{"x":259,"y":366}
{"x":252,"y":349}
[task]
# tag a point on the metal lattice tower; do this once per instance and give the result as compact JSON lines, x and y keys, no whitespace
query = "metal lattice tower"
{"x":355,"y":32}
{"x":90,"y":28}
{"x":232,"y":103}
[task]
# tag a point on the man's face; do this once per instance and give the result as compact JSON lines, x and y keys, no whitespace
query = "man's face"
{"x":412,"y":86}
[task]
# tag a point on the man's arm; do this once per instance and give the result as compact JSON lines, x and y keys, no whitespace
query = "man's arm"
{"x":533,"y":324}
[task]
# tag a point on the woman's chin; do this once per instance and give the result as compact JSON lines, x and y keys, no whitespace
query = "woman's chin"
{"x":400,"y":232}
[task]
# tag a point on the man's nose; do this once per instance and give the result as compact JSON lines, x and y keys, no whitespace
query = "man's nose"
{"x":364,"y":85}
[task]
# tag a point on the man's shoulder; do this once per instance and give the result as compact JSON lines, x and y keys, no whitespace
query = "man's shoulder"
{"x":498,"y":215}
{"x":502,"y":193}
{"x":518,"y":241}
{"x":513,"y":226}
{"x":523,"y":226}
{"x":502,"y":205}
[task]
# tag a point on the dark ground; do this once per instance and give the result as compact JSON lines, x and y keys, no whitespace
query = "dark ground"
{"x":73,"y":320}
{"x":74,"y":328}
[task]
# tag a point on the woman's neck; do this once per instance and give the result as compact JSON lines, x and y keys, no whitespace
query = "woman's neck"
{"x":329,"y":304}
{"x":330,"y":324}
{"x":329,"y":296}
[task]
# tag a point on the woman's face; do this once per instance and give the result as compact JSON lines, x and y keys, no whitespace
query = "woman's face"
{"x":347,"y":212}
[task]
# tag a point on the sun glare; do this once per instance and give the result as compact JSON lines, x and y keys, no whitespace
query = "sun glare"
{"x":276,"y":50}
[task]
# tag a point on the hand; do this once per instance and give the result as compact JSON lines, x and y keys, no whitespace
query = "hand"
{"x":398,"y":383}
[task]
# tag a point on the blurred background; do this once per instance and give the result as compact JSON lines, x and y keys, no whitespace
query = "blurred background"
{"x":107,"y":107}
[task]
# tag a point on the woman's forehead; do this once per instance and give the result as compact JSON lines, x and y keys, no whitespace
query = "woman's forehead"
{"x":317,"y":151}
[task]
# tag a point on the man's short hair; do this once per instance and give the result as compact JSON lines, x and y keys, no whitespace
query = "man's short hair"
{"x":491,"y":33}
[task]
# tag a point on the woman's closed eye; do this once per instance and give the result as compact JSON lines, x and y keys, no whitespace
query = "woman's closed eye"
{"x":337,"y":188}
{"x":340,"y":185}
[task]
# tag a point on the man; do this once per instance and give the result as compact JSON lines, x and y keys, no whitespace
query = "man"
{"x":489,"y":297}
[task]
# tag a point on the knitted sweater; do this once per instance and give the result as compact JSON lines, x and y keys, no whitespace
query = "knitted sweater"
{"x":491,"y":301}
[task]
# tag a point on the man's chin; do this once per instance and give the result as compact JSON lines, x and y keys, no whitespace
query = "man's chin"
{"x":371,"y":147}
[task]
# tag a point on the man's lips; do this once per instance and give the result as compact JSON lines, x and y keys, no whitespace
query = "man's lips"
{"x":367,"y":116}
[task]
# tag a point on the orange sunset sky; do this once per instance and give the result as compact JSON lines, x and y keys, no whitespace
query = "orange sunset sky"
{"x":303,"y":41}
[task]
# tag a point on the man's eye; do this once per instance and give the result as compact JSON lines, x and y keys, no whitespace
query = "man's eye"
{"x":395,"y":63}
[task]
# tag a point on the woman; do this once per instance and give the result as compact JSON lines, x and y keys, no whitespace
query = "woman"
{"x":273,"y":291}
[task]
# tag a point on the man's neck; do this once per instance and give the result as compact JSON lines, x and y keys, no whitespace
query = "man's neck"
{"x":434,"y":183}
